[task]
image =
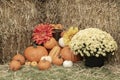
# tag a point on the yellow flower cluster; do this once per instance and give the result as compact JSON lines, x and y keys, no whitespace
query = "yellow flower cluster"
{"x":93,"y":42}
{"x":69,"y":34}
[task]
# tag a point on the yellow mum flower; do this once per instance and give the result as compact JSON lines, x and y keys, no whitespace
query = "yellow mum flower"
{"x":69,"y":34}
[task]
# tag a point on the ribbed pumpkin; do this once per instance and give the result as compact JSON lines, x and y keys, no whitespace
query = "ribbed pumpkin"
{"x":44,"y":64}
{"x":19,"y":57}
{"x":57,"y":60}
{"x":51,"y":43}
{"x":33,"y":53}
{"x":67,"y":54}
{"x":14,"y":65}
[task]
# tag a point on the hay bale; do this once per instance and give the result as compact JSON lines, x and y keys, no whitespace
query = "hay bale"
{"x":18,"y":18}
{"x":103,"y":14}
{"x":17,"y":21}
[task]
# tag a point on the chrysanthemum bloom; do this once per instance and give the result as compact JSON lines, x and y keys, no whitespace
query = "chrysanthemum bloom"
{"x":69,"y":34}
{"x":42,"y":33}
{"x":93,"y":42}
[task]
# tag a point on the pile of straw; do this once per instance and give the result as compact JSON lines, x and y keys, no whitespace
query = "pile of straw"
{"x":18,"y":18}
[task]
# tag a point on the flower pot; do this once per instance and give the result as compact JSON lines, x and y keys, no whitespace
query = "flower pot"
{"x":93,"y":61}
{"x":56,"y":33}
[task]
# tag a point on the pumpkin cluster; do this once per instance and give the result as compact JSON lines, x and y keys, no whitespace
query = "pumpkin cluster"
{"x":45,"y":54}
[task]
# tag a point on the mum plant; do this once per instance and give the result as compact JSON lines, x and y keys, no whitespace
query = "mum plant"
{"x":93,"y":42}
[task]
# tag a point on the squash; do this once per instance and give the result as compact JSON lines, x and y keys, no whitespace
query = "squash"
{"x":67,"y":54}
{"x":57,"y":60}
{"x":67,"y":63}
{"x":33,"y":63}
{"x":50,"y":44}
{"x":33,"y":53}
{"x":55,"y":51}
{"x":19,"y":57}
{"x":14,"y":65}
{"x":48,"y":58}
{"x":61,"y":42}
{"x":44,"y":65}
{"x":27,"y":63}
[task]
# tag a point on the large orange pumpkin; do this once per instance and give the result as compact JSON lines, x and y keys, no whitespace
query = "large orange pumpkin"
{"x":35,"y":53}
{"x":67,"y":54}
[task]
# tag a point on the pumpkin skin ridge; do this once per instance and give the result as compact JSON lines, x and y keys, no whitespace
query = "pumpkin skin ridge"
{"x":35,"y":53}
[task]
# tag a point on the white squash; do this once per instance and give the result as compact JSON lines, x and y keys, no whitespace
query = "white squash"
{"x":47,"y":58}
{"x":67,"y":63}
{"x":61,"y":42}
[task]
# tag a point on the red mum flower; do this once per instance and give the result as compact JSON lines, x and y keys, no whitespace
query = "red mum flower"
{"x":42,"y":33}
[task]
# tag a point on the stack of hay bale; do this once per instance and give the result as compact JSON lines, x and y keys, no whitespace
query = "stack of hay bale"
{"x":18,"y":18}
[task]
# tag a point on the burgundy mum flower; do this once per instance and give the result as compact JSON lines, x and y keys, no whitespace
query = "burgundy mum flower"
{"x":42,"y":33}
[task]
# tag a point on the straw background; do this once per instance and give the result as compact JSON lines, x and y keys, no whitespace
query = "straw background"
{"x":18,"y":18}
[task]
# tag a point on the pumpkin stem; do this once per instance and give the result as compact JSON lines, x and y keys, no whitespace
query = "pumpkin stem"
{"x":34,"y":45}
{"x":59,"y":56}
{"x":17,"y":52}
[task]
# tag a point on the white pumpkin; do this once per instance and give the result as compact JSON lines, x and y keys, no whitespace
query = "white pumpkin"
{"x":67,"y":63}
{"x":47,"y":58}
{"x":61,"y":42}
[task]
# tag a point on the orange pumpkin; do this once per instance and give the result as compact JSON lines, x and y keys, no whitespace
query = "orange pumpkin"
{"x":35,"y":53}
{"x":50,"y":44}
{"x":67,"y":54}
{"x":57,"y":60}
{"x":14,"y":65}
{"x":44,"y":64}
{"x":19,"y":57}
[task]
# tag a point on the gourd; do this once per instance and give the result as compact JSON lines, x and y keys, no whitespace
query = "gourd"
{"x":48,"y":58}
{"x":27,"y":63}
{"x":55,"y":51}
{"x":67,"y":54}
{"x":34,"y":63}
{"x":19,"y":57}
{"x":67,"y":63}
{"x":50,"y":44}
{"x":57,"y":60}
{"x":34,"y":53}
{"x":14,"y":65}
{"x":44,"y":65}
{"x":61,"y":42}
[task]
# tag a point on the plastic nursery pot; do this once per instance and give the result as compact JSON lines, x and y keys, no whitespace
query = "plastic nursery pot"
{"x":56,"y":33}
{"x":93,"y":61}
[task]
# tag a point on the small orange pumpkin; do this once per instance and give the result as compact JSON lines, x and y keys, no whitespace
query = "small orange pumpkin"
{"x":67,"y":54}
{"x":19,"y":57}
{"x":14,"y":65}
{"x":50,"y":44}
{"x":35,"y":53}
{"x":44,"y":64}
{"x":58,"y":60}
